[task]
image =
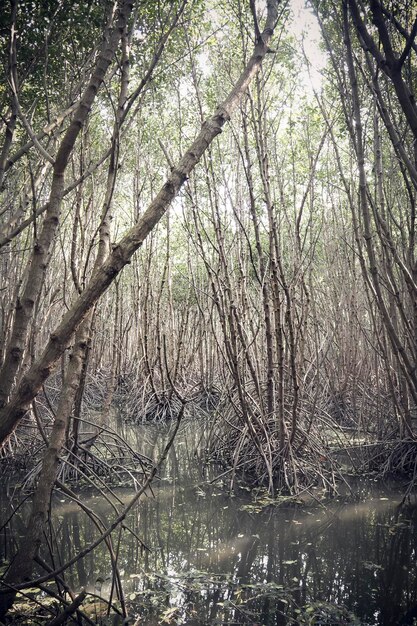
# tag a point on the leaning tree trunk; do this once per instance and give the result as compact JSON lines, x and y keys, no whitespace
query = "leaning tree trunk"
{"x":21,"y":567}
{"x":127,"y":246}
{"x":43,"y":245}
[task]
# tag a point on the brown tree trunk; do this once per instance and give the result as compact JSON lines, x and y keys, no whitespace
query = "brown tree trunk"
{"x":43,"y":246}
{"x":127,"y":246}
{"x":21,"y":567}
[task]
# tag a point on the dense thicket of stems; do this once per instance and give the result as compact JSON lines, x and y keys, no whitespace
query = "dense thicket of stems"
{"x":278,"y":293}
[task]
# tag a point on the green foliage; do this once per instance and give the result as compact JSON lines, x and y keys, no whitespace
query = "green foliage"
{"x":53,"y":41}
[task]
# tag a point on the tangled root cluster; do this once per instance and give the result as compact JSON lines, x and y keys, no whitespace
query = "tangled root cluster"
{"x":394,"y":458}
{"x":261,"y":451}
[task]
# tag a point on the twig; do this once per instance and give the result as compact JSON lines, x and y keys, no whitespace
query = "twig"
{"x":62,"y":617}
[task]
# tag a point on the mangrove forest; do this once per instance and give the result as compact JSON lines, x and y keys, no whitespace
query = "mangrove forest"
{"x":208,"y":312}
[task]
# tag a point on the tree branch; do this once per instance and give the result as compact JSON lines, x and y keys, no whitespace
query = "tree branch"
{"x":409,"y":44}
{"x":127,"y":246}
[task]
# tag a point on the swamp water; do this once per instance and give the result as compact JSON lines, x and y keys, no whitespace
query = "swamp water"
{"x":208,"y":558}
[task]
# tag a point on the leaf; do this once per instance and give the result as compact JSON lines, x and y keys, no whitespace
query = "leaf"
{"x":289,"y":562}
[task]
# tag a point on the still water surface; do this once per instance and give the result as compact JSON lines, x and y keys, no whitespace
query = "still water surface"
{"x":208,"y":558}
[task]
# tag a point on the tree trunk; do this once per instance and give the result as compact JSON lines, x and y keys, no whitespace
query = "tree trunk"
{"x":43,"y":246}
{"x":124,"y":250}
{"x":21,"y":567}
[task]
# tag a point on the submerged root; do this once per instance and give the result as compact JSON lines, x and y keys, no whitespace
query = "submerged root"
{"x":140,"y":405}
{"x":103,"y":458}
{"x":262,"y":452}
{"x":393,"y":458}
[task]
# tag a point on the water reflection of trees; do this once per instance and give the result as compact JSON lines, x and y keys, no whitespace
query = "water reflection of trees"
{"x":362,"y":557}
{"x":361,"y":554}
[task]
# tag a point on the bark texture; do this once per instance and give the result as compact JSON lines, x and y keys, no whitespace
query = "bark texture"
{"x":43,"y":245}
{"x":21,"y":567}
{"x":127,"y":246}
